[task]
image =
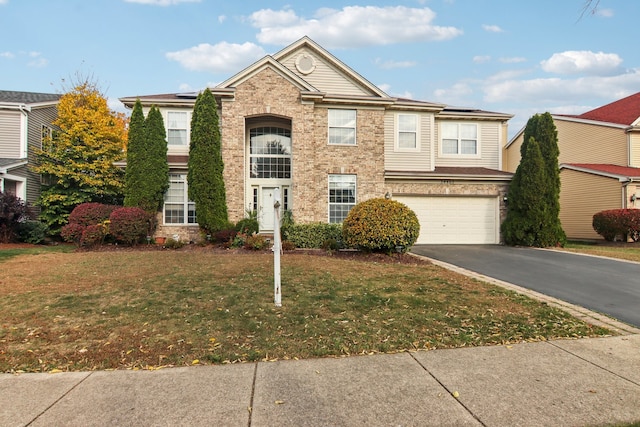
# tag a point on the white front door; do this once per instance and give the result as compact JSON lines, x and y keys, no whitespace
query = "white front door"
{"x":265,"y":212}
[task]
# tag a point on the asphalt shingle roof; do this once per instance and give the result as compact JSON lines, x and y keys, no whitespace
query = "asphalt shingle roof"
{"x":624,"y":111}
{"x":610,"y":169}
{"x":27,"y":97}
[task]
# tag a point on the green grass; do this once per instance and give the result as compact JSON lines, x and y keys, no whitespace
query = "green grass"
{"x":6,"y":254}
{"x":137,"y":309}
{"x":626,"y":251}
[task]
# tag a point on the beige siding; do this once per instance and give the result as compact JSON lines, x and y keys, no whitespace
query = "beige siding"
{"x":586,"y":143}
{"x":489,"y":133}
{"x":634,"y":150}
{"x":10,"y":132}
{"x":511,"y":155}
{"x":325,"y":77}
{"x":581,"y":196}
{"x":407,"y":160}
{"x":579,"y":143}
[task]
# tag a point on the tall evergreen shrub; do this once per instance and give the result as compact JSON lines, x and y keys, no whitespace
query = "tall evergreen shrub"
{"x":205,"y":174}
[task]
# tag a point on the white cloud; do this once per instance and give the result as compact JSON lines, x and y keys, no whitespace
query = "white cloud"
{"x":479,"y":59}
{"x":605,"y":13}
{"x":162,"y":2}
{"x":387,"y":65}
{"x":37,"y":61}
{"x":582,"y":62}
{"x":353,"y":26}
{"x":4,"y":1}
{"x":458,"y":94}
{"x":557,"y":91}
{"x":8,"y":55}
{"x":492,"y":28}
{"x":222,"y":18}
{"x":221,"y":57}
{"x":386,"y":88}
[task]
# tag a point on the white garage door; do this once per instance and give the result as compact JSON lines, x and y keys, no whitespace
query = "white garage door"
{"x":455,"y":220}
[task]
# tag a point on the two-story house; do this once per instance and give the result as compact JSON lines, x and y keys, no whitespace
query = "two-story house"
{"x":599,"y":163}
{"x":303,"y":121}
{"x":25,"y":119}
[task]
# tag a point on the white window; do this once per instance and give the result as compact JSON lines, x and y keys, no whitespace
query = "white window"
{"x":342,"y":196}
{"x":178,"y":128}
{"x":342,"y":127}
{"x":407,"y":136}
{"x":459,"y":139}
{"x":270,"y":152}
{"x":178,"y":209}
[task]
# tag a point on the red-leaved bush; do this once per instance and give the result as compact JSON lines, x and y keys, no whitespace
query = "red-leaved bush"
{"x":93,"y":235}
{"x":83,"y":216}
{"x":129,"y":225}
{"x":617,"y":222}
{"x":91,"y":213}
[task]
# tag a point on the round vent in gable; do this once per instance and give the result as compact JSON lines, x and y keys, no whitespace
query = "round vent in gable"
{"x":305,"y":63}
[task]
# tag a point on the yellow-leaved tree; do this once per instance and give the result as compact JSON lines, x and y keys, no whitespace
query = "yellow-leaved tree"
{"x":77,"y":161}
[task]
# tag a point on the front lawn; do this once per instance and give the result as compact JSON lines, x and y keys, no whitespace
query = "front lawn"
{"x":626,"y":251}
{"x":132,"y":309}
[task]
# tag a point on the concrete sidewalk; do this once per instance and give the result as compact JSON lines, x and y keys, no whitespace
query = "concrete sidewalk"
{"x":584,"y":382}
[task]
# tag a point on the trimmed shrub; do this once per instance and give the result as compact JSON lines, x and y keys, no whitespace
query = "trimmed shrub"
{"x":13,"y":211}
{"x":225,"y":235}
{"x":312,"y":235}
{"x":255,"y":242}
{"x":129,"y":225}
{"x":91,"y":213}
{"x":617,"y":223}
{"x":381,"y":225}
{"x":33,"y":232}
{"x":72,"y":233}
{"x":173,"y":244}
{"x":248,"y":226}
{"x":93,"y":235}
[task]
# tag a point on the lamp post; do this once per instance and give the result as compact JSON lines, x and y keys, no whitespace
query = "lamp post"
{"x":276,"y":248}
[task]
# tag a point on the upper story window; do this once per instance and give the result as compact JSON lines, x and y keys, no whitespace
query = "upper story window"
{"x":459,"y":139}
{"x":270,"y":152}
{"x":178,"y":128}
{"x":342,"y":127}
{"x":407,"y":132}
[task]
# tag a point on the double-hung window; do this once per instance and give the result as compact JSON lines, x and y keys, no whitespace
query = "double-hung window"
{"x":178,"y":128}
{"x":407,"y":136}
{"x":342,"y":127}
{"x":178,"y":209}
{"x":342,"y":196}
{"x":459,"y":139}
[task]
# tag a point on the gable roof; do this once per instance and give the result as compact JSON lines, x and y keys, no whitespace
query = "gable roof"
{"x":622,"y":173}
{"x":625,"y":111}
{"x":16,"y":97}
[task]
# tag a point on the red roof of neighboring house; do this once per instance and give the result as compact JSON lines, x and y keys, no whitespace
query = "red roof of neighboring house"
{"x":609,"y":169}
{"x":624,"y":111}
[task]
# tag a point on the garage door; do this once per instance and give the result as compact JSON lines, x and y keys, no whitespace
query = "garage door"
{"x":455,"y":220}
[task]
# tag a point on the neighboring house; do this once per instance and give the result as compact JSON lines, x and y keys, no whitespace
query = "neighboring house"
{"x":305,"y":122}
{"x":25,"y":119}
{"x":599,"y":163}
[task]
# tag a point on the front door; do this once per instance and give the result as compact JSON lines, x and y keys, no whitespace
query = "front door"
{"x":265,"y":212}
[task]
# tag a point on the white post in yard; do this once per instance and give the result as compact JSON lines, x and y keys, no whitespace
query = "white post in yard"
{"x":277,"y":246}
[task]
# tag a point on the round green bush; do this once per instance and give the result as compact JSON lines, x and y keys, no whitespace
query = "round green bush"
{"x":381,"y":225}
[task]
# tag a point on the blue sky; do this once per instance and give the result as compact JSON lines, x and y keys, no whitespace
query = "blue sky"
{"x":510,"y":56}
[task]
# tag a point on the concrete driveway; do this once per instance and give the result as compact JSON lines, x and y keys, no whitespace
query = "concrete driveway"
{"x":603,"y":285}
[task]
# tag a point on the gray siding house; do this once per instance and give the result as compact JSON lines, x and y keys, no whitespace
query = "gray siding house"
{"x":25,"y":118}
